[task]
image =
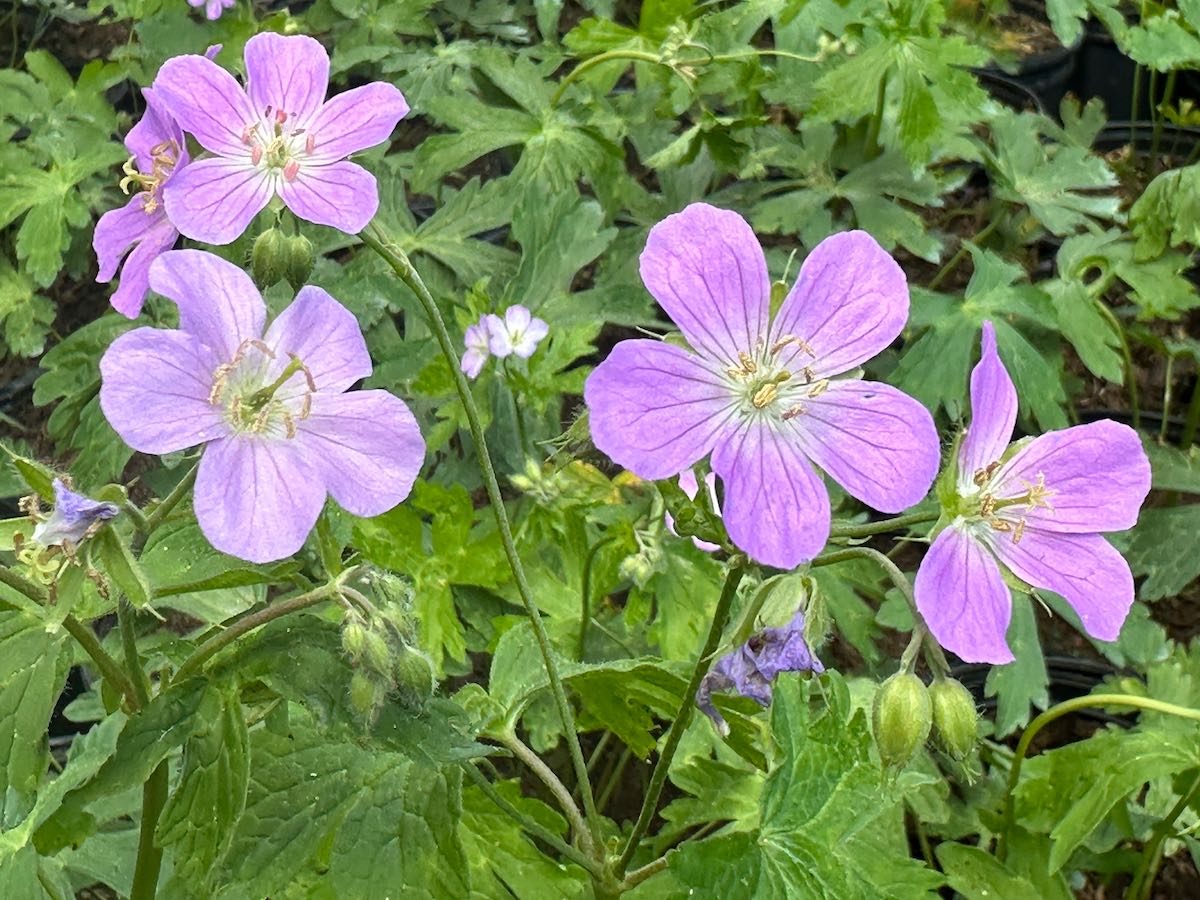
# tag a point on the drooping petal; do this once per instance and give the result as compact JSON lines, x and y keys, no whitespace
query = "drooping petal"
{"x":1084,"y":568}
{"x":286,"y":73}
{"x":473,"y":361}
{"x":705,"y":267}
{"x":117,"y":231}
{"x":875,"y":441}
{"x":154,"y":389}
{"x":963,"y":599}
{"x":342,"y":195}
{"x":655,"y":408}
{"x":218,"y":303}
{"x":849,"y":303}
{"x":215,"y":200}
{"x":73,"y":516}
{"x":993,"y":413}
{"x":257,"y":499}
{"x":776,"y":508}
{"x":130,"y":294}
{"x":155,"y":128}
{"x":355,"y":120}
{"x":366,"y":446}
{"x":325,"y":336}
{"x":207,"y":102}
{"x":1098,"y":473}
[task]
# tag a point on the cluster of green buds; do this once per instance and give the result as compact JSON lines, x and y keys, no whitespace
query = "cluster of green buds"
{"x":649,"y":559}
{"x":379,"y":639}
{"x":278,"y":256}
{"x":906,"y":712}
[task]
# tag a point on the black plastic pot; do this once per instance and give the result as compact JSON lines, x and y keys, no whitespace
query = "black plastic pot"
{"x":1067,"y":677}
{"x":1175,"y":141}
{"x":1008,"y":91}
{"x":1046,"y":75}
{"x":1104,"y":71}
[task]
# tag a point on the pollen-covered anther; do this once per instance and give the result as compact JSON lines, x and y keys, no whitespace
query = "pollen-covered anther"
{"x":749,"y":366}
{"x":797,"y":410}
{"x":765,"y":395}
{"x":1019,"y":532}
{"x":220,"y":380}
{"x":782,"y":342}
{"x":305,"y":406}
{"x":1000,"y":524}
{"x":987,"y":505}
{"x":819,"y":388}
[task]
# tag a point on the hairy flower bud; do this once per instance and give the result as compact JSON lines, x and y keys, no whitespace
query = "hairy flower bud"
{"x":955,"y":721}
{"x":413,"y":673}
{"x":366,"y":695}
{"x":298,"y":260}
{"x":902,"y":716}
{"x":354,"y":639}
{"x":268,"y":259}
{"x":377,"y":655}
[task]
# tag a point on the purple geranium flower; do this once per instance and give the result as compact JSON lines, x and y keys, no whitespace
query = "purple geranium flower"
{"x":1038,"y":510}
{"x":758,"y":394}
{"x":280,"y":430}
{"x":73,"y":518}
{"x":518,"y":332}
{"x":212,"y":8}
{"x":476,"y":339}
{"x":751,"y":669}
{"x":278,"y":136}
{"x":156,"y":143}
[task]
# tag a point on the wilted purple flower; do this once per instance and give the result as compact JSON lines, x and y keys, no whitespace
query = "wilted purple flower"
{"x":690,"y":486}
{"x":281,"y":432}
{"x":212,"y":8}
{"x":1038,"y":510}
{"x":278,"y":136}
{"x":74,"y":516}
{"x":476,"y":339}
{"x":518,"y":332}
{"x":758,"y":394}
{"x":159,"y":152}
{"x":751,"y":669}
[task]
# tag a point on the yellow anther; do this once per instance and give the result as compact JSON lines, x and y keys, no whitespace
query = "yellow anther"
{"x":749,"y":366}
{"x":1020,"y":532}
{"x":781,"y":343}
{"x":764,"y":395}
{"x":987,"y":506}
{"x":819,"y":388}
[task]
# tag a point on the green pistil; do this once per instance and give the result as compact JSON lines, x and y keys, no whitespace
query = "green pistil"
{"x":260,"y":398}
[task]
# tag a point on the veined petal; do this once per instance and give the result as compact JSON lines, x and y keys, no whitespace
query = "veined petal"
{"x":1084,"y":568}
{"x":776,"y":508}
{"x":342,"y":195}
{"x":962,"y":597}
{"x":154,"y":387}
{"x":706,"y":268}
{"x":355,"y":120}
{"x":993,"y":413}
{"x":155,"y":127}
{"x":207,"y":102}
{"x":367,"y":447}
{"x":218,"y":303}
{"x":849,"y":303}
{"x":256,"y":498}
{"x":1098,"y":475}
{"x":875,"y":441}
{"x":325,"y":336}
{"x":130,"y":294}
{"x":117,"y":231}
{"x":214,"y":200}
{"x":286,"y":73}
{"x":530,"y":337}
{"x":655,"y":408}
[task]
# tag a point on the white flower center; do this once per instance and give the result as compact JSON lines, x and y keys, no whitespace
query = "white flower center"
{"x":255,"y":403}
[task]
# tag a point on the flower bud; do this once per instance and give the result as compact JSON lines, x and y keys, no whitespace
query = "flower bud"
{"x":902,"y":716}
{"x":955,"y":721}
{"x":413,"y":673}
{"x":366,"y":695}
{"x":298,"y":260}
{"x":354,"y":639}
{"x":268,"y":259}
{"x":377,"y":655}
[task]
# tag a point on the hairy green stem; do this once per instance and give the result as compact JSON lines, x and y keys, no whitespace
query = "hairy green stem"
{"x":871,"y":141}
{"x":684,"y":715}
{"x":637,"y":876}
{"x":546,"y":776}
{"x":608,"y":56}
{"x":1057,"y":712}
{"x":149,"y":854}
{"x":1127,"y":355}
{"x":1143,"y":879}
{"x":157,"y":515}
{"x":534,"y":828}
{"x":398,"y":260}
{"x":585,"y":613}
{"x":219,"y":642}
{"x":961,"y":254}
{"x":869,"y":528}
{"x":133,"y":660}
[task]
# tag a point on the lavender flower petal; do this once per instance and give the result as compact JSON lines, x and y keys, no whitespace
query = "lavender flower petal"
{"x":366,"y":446}
{"x":215,"y":200}
{"x":849,"y":303}
{"x":705,"y":267}
{"x":286,"y":74}
{"x":154,"y":128}
{"x":1084,"y":568}
{"x":218,"y":303}
{"x":962,"y":596}
{"x":257,"y":498}
{"x":655,"y":408}
{"x":325,"y":336}
{"x":878,"y":443}
{"x":130,"y":295}
{"x":207,"y":102}
{"x":154,"y":390}
{"x":473,"y":361}
{"x":355,"y":120}
{"x":776,"y":508}
{"x":1098,"y":475}
{"x":993,"y":414}
{"x":72,"y":516}
{"x":342,"y":195}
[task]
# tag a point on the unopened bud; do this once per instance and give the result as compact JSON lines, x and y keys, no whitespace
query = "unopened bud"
{"x":413,"y":673}
{"x":354,"y":639}
{"x":955,"y":721}
{"x":268,"y":259}
{"x":366,"y":695}
{"x":902,"y":716}
{"x":377,"y":655}
{"x":298,"y":260}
